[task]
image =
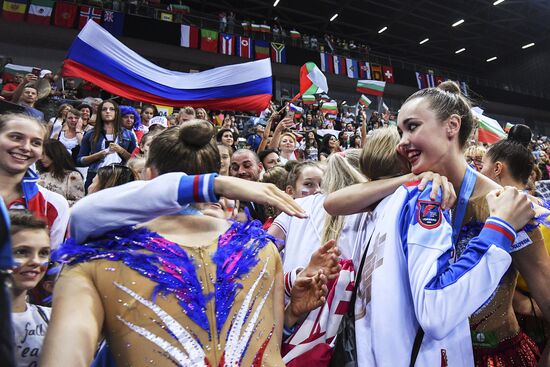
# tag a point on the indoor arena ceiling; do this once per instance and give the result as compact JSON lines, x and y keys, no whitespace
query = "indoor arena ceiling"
{"x":490,"y":28}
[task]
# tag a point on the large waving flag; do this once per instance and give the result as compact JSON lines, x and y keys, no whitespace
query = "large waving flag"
{"x":100,"y":58}
{"x":489,"y":130}
{"x":312,"y":80}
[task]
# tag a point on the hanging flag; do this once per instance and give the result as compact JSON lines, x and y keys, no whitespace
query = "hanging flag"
{"x":14,"y":10}
{"x":278,"y":52}
{"x":388,"y":74}
{"x":364,"y":70}
{"x":87,"y":13}
{"x":312,"y":80}
{"x":376,"y":72}
{"x":113,"y":22}
{"x":65,"y":14}
{"x":330,"y":107}
{"x":209,"y":40}
{"x":508,"y":127}
{"x":327,"y":64}
{"x":364,"y":101}
{"x":167,"y":17}
{"x":264,"y":28}
{"x":189,"y":36}
{"x":421,"y":80}
{"x":489,"y":130}
{"x":308,"y":99}
{"x":40,"y":12}
{"x":352,"y":68}
{"x":255,"y":27}
{"x":179,"y":9}
{"x":244,"y":47}
{"x":339,"y":65}
{"x":227,"y":44}
{"x":373,"y":87}
{"x":98,"y":57}
{"x":438,"y":80}
{"x":246,"y":26}
{"x":430,"y":80}
{"x":261,"y":49}
{"x":295,"y":35}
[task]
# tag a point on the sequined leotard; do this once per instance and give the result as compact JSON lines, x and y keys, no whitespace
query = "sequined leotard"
{"x":171,"y":305}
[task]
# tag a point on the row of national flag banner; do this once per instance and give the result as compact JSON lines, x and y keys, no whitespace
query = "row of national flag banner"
{"x":340,"y":65}
{"x":62,"y":14}
{"x":229,"y":44}
{"x":429,"y":80}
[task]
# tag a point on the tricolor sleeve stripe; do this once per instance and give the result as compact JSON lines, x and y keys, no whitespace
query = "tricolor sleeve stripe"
{"x":197,"y":189}
{"x":502,"y":223}
{"x":502,"y":232}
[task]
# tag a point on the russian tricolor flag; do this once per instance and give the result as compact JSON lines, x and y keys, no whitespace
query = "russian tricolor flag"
{"x":100,"y":58}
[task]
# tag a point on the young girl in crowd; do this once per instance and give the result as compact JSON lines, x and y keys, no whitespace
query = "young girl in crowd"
{"x":304,"y":179}
{"x":31,"y":253}
{"x":58,"y":172}
{"x":21,"y":145}
{"x":432,"y":298}
{"x":107,"y":143}
{"x":225,"y":305}
{"x":71,"y":134}
{"x":147,"y":113}
{"x":111,"y":176}
{"x":311,"y":146}
{"x":225,"y":158}
{"x":55,"y":123}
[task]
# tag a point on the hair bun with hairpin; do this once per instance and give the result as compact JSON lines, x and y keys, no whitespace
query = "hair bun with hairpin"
{"x":520,"y":134}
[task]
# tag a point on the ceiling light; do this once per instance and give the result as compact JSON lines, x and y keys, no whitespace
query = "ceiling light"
{"x":334,"y":17}
{"x":423,"y":41}
{"x":276,"y":2}
{"x":458,"y":22}
{"x":528,"y":45}
{"x":491,"y":59}
{"x":382,"y":30}
{"x":459,"y":51}
{"x":498,"y":2}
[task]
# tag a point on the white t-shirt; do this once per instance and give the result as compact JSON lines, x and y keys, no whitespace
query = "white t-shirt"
{"x":57,"y":123}
{"x":29,"y":331}
{"x":303,"y":236}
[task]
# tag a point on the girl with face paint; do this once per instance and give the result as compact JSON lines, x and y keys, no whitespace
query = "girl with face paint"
{"x":31,"y":253}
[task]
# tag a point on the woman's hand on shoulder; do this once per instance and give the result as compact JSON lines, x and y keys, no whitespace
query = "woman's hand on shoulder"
{"x":448,"y":194}
{"x":510,"y":205}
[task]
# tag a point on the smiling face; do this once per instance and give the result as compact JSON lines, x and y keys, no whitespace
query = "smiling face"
{"x":85,"y":113}
{"x":287,"y":144}
{"x":21,"y":143}
{"x":271,"y":160}
{"x":333,"y":142}
{"x":147,"y":115}
{"x":246,"y":166}
{"x":31,"y":253}
{"x":424,"y":139}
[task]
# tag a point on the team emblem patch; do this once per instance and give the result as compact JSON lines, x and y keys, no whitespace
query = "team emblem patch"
{"x":428,"y":214}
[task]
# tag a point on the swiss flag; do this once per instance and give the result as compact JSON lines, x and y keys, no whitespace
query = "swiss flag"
{"x":87,"y":13}
{"x":388,"y":74}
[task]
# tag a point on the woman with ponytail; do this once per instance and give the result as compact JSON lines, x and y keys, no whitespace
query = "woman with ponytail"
{"x":450,"y":279}
{"x":185,"y":288}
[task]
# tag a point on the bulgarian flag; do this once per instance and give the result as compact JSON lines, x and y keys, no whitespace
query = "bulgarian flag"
{"x":330,"y":107}
{"x":373,"y":87}
{"x":508,"y":127}
{"x":10,"y":70}
{"x":489,"y":130}
{"x":312,"y":80}
{"x":308,"y":99}
{"x":364,"y":100}
{"x":40,"y":12}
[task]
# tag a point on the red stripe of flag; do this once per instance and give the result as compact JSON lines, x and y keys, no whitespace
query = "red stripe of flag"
{"x":500,"y":230}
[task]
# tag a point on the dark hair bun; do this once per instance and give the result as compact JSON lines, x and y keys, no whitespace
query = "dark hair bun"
{"x":449,"y":86}
{"x":520,"y":134}
{"x":196,"y":133}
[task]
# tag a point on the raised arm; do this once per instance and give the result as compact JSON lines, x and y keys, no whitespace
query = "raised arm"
{"x":141,"y":201}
